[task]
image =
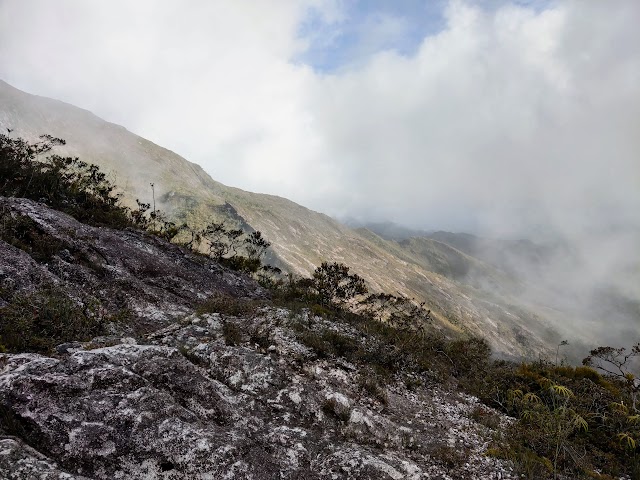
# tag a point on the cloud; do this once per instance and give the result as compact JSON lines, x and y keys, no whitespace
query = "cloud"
{"x":501,"y":116}
{"x":513,"y":115}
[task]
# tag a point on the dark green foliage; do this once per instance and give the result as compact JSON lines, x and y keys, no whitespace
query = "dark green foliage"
{"x":329,"y":343}
{"x":450,"y":457}
{"x":83,"y":191}
{"x":256,"y":245}
{"x":234,"y":249}
{"x":64,"y":183}
{"x":67,"y":184}
{"x":389,"y":349}
{"x":396,"y":310}
{"x":618,"y":363}
{"x":221,"y":240}
{"x":486,"y":417}
{"x":334,"y":285}
{"x":232,"y":333}
{"x":373,"y":383}
{"x":241,"y":263}
{"x":39,"y":321}
{"x":292,"y":291}
{"x":571,"y":419}
{"x":160,"y":226}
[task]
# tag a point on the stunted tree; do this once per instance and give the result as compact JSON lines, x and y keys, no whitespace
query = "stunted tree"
{"x":397,"y":310}
{"x":618,"y":363}
{"x":335,"y":285}
{"x":256,"y":245}
{"x":221,"y":241}
{"x":233,"y":248}
{"x":82,"y":190}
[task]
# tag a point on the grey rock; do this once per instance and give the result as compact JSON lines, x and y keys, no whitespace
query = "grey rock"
{"x":167,"y":396}
{"x":156,"y":281}
{"x":186,"y":405}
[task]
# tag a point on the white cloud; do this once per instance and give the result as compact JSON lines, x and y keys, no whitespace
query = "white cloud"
{"x":507,"y":118}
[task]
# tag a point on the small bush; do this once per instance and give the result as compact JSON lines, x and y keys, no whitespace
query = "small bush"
{"x":232,"y":334}
{"x":64,"y":183}
{"x":526,"y":462}
{"x":39,"y":321}
{"x":485,"y":417}
{"x":228,"y":305}
{"x":335,"y":286}
{"x":373,"y":384}
{"x":23,"y":233}
{"x":329,"y":343}
{"x":450,"y":457}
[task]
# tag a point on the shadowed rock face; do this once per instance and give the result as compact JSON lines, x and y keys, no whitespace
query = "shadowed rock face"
{"x":211,"y":410}
{"x":155,"y":280}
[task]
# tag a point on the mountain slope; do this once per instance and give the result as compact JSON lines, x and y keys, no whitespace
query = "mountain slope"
{"x":236,"y":389}
{"x":301,"y":238}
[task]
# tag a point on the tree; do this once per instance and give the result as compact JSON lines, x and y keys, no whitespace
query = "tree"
{"x":67,"y":184}
{"x":256,"y":245}
{"x":617,"y":363}
{"x":335,"y":285}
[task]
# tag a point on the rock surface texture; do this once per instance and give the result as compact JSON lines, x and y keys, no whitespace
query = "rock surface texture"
{"x":155,"y":280}
{"x":208,"y":395}
{"x":185,"y":404}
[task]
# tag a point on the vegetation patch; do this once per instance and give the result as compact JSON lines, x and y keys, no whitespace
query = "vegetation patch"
{"x":570,"y":420}
{"x":39,"y":321}
{"x":228,"y":305}
{"x":232,"y":333}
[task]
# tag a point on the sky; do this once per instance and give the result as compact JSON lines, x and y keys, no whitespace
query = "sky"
{"x":509,"y":117}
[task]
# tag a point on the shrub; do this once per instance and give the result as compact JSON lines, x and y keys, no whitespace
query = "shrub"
{"x":329,"y":343}
{"x":334,"y":285}
{"x":67,"y":184}
{"x":226,"y":304}
{"x":232,"y":333}
{"x":234,"y":249}
{"x":22,"y":232}
{"x":570,"y":419}
{"x":39,"y":321}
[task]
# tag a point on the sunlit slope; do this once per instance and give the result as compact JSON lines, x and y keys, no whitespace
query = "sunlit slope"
{"x":456,"y":286}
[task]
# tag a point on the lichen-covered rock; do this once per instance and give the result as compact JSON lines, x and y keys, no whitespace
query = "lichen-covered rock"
{"x":209,"y":396}
{"x":182,"y":403}
{"x":122,"y":269}
{"x":20,"y":462}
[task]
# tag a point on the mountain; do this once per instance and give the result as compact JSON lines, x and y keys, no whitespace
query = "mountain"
{"x":123,"y":355}
{"x":466,"y":292}
{"x":232,"y":388}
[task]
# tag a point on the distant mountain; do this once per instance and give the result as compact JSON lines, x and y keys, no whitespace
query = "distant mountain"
{"x":512,"y":256}
{"x":389,"y":230}
{"x":468,"y":288}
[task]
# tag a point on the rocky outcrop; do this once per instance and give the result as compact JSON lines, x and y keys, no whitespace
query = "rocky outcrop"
{"x":183,"y":403}
{"x":181,"y":395}
{"x":121,"y":269}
